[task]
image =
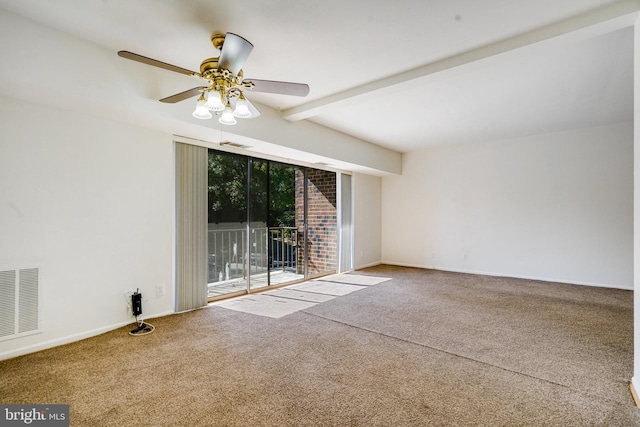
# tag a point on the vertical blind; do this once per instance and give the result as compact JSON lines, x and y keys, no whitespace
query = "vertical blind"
{"x":191,"y":226}
{"x":346,"y":228}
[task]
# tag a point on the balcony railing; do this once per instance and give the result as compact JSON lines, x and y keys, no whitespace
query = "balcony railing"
{"x":269,"y":249}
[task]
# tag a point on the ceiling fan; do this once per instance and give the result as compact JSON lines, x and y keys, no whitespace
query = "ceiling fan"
{"x":225,"y":84}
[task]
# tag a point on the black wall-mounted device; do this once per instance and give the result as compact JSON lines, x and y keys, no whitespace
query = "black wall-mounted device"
{"x":136,"y":303}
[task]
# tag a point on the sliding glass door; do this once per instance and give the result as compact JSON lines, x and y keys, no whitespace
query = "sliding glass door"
{"x":227,"y":224}
{"x":269,"y":224}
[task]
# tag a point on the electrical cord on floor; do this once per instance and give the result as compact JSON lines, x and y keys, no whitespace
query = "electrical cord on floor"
{"x":142,"y":329}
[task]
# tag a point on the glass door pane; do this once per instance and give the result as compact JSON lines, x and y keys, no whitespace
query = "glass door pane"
{"x":258,"y":234}
{"x":321,"y":223}
{"x":227,"y":228}
{"x":283,"y":233}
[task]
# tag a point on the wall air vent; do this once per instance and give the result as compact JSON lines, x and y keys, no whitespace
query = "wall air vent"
{"x":234,"y":144}
{"x":19,"y":302}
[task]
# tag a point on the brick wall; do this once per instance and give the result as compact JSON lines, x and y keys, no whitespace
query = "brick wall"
{"x":321,"y":221}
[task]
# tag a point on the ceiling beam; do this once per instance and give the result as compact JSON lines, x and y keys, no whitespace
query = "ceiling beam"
{"x":589,"y":24}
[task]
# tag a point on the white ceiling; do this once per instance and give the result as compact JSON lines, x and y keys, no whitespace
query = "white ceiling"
{"x":405,"y":74}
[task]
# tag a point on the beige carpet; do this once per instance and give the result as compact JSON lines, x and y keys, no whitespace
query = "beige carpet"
{"x":425,"y":348}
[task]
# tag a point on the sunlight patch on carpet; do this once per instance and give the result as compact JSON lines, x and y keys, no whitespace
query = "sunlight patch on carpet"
{"x":265,"y":305}
{"x":283,"y":301}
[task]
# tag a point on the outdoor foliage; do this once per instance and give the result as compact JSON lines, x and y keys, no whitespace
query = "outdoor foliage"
{"x":271,"y":184}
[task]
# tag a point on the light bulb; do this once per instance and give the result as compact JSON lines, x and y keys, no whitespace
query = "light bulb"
{"x":214,"y":101}
{"x":227,"y":116}
{"x":201,"y":112}
{"x":242,"y":108}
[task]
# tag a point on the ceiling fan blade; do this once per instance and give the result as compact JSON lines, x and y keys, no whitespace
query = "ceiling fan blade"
{"x":235,"y":50}
{"x":254,"y":110}
{"x":156,"y":63}
{"x":183,"y":95}
{"x":283,"y":88}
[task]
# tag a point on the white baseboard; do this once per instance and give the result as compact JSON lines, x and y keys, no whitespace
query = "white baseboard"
{"x":514,"y":276}
{"x":635,"y":388}
{"x":372,"y":264}
{"x":70,"y":338}
{"x":403,"y":264}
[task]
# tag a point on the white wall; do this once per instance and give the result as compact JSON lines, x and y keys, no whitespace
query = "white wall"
{"x":553,"y":207}
{"x":90,"y":202}
{"x":366,"y":220}
{"x":635,"y":380}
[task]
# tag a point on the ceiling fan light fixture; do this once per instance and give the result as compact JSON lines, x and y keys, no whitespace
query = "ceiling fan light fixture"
{"x":201,"y":111}
{"x":214,"y":101}
{"x":225,"y":81}
{"x":242,"y":108}
{"x":227,"y":116}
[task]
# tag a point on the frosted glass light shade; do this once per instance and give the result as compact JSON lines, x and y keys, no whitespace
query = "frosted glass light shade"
{"x":201,"y":111}
{"x":214,"y":101}
{"x":227,"y":116}
{"x":242,"y":108}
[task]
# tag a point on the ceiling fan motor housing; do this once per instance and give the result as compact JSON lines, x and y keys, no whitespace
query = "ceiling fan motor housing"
{"x":217,"y":40}
{"x":208,"y":65}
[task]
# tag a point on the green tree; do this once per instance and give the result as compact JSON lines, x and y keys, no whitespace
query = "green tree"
{"x":227,"y":188}
{"x":282,"y":182}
